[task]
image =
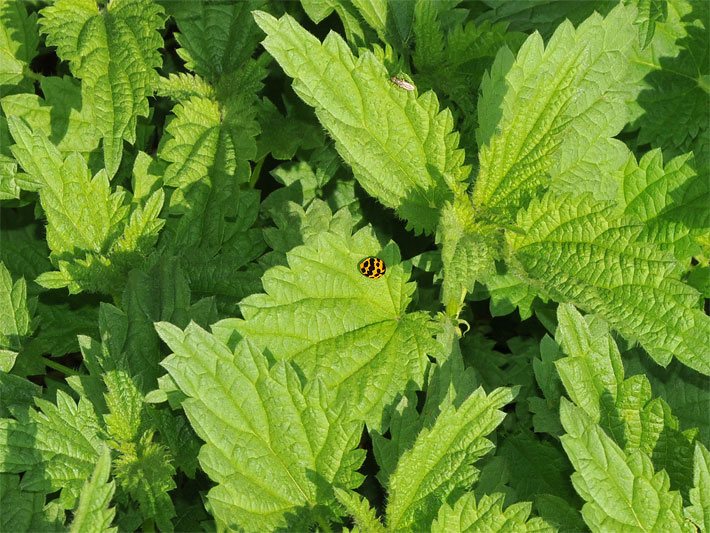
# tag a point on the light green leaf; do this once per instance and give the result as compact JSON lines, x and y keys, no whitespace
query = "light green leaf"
{"x":699,"y":512}
{"x":592,"y":372}
{"x":549,"y":116}
{"x":33,"y":441}
{"x":94,"y":235}
{"x":670,"y":201}
{"x":401,"y":147}
{"x":467,"y":253}
{"x":374,"y":345}
{"x":469,"y":515}
{"x":18,"y":41}
{"x":449,"y":447}
{"x":15,"y":320}
{"x":593,"y":375}
{"x":650,"y":12}
{"x":114,"y":51}
{"x":93,"y":513}
{"x":61,"y":116}
{"x":273,"y":448}
{"x":579,"y":252}
{"x":183,"y":86}
{"x":125,"y":405}
{"x":9,"y":188}
{"x":359,"y":509}
{"x":145,"y":472}
{"x":622,"y":491}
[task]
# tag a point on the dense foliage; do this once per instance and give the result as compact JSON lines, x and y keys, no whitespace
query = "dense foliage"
{"x":188,"y":189}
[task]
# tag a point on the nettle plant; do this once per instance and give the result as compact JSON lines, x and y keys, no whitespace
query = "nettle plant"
{"x":369,"y":265}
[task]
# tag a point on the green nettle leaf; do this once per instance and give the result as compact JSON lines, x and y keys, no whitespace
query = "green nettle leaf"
{"x":467,"y":253}
{"x":650,"y":12}
{"x":144,"y":471}
{"x":129,"y":341}
{"x":547,"y":116}
{"x":26,"y":510}
{"x":506,"y":292}
{"x":579,"y":252}
{"x":373,"y":346}
{"x":449,"y":447}
{"x":401,"y":147}
{"x":670,"y":201}
{"x":487,"y":515}
{"x":95,"y":237}
{"x":359,"y":509}
{"x":24,"y":250}
{"x":93,"y":513}
{"x":272,"y":446}
{"x":114,"y":51}
{"x":592,"y":372}
{"x":33,"y":441}
{"x":215,"y":38}
{"x":622,"y":491}
{"x":699,"y":512}
{"x":18,"y":41}
{"x":15,"y":320}
{"x":61,"y":116}
{"x":451,"y":58}
{"x":593,"y":376}
{"x":207,"y":146}
{"x":672,"y":106}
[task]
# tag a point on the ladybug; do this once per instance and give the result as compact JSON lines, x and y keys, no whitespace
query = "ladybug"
{"x":372,"y":267}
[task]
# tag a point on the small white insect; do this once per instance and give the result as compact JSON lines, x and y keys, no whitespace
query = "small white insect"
{"x":402,"y":84}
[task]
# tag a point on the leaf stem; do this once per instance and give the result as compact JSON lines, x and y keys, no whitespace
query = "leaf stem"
{"x":59,"y":367}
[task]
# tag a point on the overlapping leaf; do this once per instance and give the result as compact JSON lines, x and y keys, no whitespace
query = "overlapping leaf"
{"x":699,"y":512}
{"x":488,"y":514}
{"x":671,"y":201}
{"x":401,"y":147}
{"x":93,"y":513}
{"x":61,"y":115}
{"x":548,"y":115}
{"x":448,"y":448}
{"x":622,"y":491}
{"x":579,"y":252}
{"x":672,"y":105}
{"x":593,"y":376}
{"x":273,"y":447}
{"x":32,"y":441}
{"x":114,"y":52}
{"x":351,"y":331}
{"x":215,"y":38}
{"x":94,"y":236}
{"x":18,"y":41}
{"x":15,"y":321}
